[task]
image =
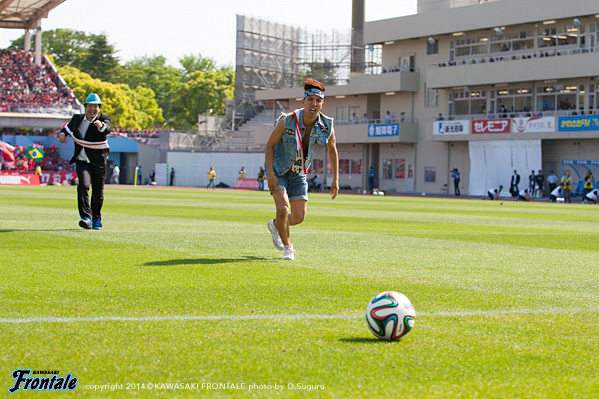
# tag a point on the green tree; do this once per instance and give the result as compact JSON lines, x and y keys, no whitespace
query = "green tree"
{"x":128,"y":108}
{"x":324,"y":72}
{"x":100,"y":61}
{"x":153,"y":73}
{"x":203,"y":91}
{"x":196,"y":63}
{"x":88,"y":53}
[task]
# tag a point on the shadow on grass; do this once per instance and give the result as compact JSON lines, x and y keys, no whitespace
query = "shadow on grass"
{"x":204,"y":261}
{"x":362,"y":340}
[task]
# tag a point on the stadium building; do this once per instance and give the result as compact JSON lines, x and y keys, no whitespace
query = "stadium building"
{"x":482,"y":86}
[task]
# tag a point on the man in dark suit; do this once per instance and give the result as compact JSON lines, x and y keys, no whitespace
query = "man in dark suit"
{"x":88,"y":132}
{"x":514,"y":184}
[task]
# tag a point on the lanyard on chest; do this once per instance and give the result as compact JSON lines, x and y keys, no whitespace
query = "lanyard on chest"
{"x":299,"y":163}
{"x":100,"y":145}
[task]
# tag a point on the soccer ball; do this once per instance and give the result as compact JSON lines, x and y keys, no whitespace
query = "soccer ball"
{"x":390,"y":315}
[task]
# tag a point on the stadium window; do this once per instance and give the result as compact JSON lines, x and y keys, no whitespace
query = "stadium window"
{"x":431,"y":97}
{"x":515,"y":99}
{"x":318,"y":166}
{"x":469,"y":102}
{"x":388,"y":169}
{"x":344,"y":166}
{"x":394,"y":169}
{"x":356,"y":166}
{"x":432,"y":49}
{"x":400,"y":169}
{"x":430,"y":174}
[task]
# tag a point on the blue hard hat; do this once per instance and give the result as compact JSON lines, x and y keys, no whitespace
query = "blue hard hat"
{"x":93,"y":98}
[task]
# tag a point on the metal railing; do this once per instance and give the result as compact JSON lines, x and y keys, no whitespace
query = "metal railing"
{"x":511,"y":56}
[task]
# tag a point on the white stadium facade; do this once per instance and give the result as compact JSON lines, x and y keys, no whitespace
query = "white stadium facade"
{"x":482,"y":86}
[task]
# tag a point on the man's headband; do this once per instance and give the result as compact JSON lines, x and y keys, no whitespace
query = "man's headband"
{"x":314,"y":92}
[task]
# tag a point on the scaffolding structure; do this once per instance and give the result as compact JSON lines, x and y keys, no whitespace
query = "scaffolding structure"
{"x":275,"y":56}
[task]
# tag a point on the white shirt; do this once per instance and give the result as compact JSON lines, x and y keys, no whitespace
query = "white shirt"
{"x":83,"y":131}
{"x":523,"y":192}
{"x":593,"y":194}
{"x":557,"y":192}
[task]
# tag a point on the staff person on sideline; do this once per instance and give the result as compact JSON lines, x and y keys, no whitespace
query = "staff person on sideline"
{"x":289,"y":154}
{"x":211,"y":177}
{"x":89,"y":132}
{"x":493,"y":193}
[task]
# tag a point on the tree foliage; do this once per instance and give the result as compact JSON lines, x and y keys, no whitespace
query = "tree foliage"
{"x":153,"y":73}
{"x":324,"y":72}
{"x":129,"y":108}
{"x":203,"y":91}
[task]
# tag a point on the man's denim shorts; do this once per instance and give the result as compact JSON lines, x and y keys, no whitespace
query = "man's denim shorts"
{"x":295,"y":184}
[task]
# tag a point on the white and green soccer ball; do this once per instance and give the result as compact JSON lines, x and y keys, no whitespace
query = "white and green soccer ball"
{"x":390,"y":315}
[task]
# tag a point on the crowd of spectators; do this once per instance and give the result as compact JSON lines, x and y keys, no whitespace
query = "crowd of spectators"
{"x":24,"y":85}
{"x":51,"y":160}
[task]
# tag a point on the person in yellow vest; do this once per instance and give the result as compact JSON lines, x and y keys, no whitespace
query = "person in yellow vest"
{"x":261,"y":178}
{"x":242,"y":173}
{"x":588,"y":184}
{"x":38,"y":171}
{"x":211,"y":177}
{"x":567,"y":181}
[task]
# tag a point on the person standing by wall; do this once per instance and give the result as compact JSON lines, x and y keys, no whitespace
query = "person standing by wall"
{"x":289,"y":154}
{"x":551,"y":181}
{"x":115,"y":174}
{"x":261,"y":178}
{"x":456,"y":181}
{"x":589,"y":183}
{"x":371,"y":176}
{"x":172,"y":182}
{"x":211,"y":177}
{"x":514,"y":184}
{"x":539,"y":179}
{"x":89,"y":131}
{"x":567,"y":182}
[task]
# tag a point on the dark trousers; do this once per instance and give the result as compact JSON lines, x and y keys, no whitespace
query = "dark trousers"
{"x":514,"y":190}
{"x":456,"y":186}
{"x":90,"y":176}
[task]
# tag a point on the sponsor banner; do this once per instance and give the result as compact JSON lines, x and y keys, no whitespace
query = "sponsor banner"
{"x":577,"y":123}
{"x":383,"y":130}
{"x":57,"y":177}
{"x":50,"y":177}
{"x":490,"y":126}
{"x":451,"y":127}
{"x":536,"y":124}
{"x":22,"y":179}
{"x":247,"y":184}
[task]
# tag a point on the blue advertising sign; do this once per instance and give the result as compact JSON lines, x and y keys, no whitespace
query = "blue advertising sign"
{"x":577,"y":123}
{"x":383,"y":130}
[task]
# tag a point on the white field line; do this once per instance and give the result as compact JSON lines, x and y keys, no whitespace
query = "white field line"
{"x":289,"y":317}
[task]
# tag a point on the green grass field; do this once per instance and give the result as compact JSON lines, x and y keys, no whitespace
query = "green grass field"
{"x":184,"y":286}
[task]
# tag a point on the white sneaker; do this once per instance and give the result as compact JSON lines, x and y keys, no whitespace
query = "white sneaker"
{"x":276,"y":239}
{"x":289,"y":253}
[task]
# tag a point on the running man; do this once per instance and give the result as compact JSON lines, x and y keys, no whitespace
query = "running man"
{"x":289,"y":154}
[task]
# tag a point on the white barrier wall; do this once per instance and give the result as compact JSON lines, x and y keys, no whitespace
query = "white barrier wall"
{"x":492,"y":163}
{"x":191,"y":167}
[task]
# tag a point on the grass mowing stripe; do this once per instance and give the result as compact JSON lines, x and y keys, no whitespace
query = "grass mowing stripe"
{"x":289,"y":317}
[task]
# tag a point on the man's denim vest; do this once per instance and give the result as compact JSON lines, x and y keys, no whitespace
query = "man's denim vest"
{"x":285,"y":150}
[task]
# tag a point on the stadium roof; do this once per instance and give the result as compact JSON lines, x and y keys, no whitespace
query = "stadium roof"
{"x":24,"y":14}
